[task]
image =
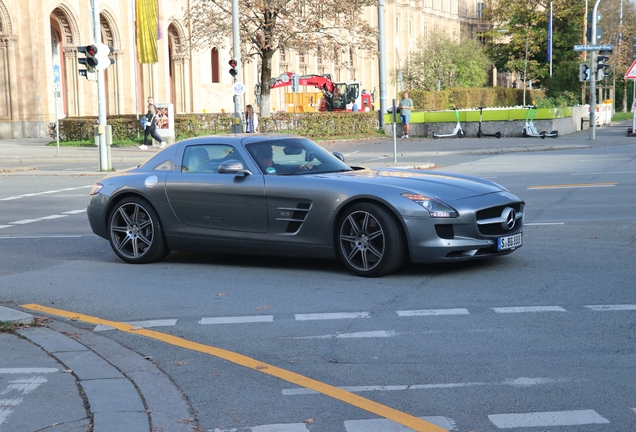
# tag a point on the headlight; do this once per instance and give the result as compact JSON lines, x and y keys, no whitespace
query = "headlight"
{"x":435,"y":208}
{"x":96,"y":188}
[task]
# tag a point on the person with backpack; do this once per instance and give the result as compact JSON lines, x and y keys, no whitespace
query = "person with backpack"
{"x":150,"y":127}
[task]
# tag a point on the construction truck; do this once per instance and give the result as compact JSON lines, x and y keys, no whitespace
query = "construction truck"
{"x":333,"y":96}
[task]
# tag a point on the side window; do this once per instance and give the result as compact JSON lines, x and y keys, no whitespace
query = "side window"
{"x":206,"y":158}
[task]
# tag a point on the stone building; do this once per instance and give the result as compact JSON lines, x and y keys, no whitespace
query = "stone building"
{"x":38,"y":40}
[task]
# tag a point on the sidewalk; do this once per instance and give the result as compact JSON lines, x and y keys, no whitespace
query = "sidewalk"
{"x":63,"y":378}
{"x":30,"y":156}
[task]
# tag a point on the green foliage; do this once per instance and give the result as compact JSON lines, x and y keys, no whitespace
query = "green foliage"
{"x":473,"y":97}
{"x":438,"y":59}
{"x":79,"y":130}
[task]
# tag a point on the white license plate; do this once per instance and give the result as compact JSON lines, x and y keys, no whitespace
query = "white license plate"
{"x":510,"y":242}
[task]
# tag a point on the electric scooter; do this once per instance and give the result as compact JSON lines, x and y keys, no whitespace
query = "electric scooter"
{"x":479,"y":132}
{"x":457,"y":131}
{"x":530,"y":130}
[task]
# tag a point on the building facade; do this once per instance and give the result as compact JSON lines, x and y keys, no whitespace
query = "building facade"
{"x":39,"y":69}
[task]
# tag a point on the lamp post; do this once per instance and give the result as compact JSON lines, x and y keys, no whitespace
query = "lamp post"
{"x":508,"y":78}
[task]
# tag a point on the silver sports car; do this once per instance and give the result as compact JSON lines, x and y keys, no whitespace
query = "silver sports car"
{"x":287,"y":196}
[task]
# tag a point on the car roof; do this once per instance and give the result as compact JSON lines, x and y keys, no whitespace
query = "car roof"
{"x":235,"y":138}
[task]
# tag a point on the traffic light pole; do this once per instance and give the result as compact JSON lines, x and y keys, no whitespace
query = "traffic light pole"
{"x":237,"y":126}
{"x":593,"y":69}
{"x":104,"y":160}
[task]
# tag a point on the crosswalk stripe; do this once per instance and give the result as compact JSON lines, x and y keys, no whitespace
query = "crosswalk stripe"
{"x":383,"y":425}
{"x":237,"y":320}
{"x":605,"y":308}
{"x":330,"y":316}
{"x":525,"y":309}
{"x":141,"y":324}
{"x":547,"y":419}
{"x":433,"y":312}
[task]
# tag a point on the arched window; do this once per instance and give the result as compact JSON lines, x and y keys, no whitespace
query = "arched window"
{"x":216,"y":76}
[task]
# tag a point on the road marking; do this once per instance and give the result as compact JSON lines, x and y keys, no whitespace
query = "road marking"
{"x":23,"y":386}
{"x":142,"y":324}
{"x":603,"y":173}
{"x":43,"y":193}
{"x":369,"y":334}
{"x":331,"y":316}
{"x":281,"y":427}
{"x":27,"y":370}
{"x":73,"y":212}
{"x":44,"y":236}
{"x":250,"y":363}
{"x":518,"y":382}
{"x":237,"y":320}
{"x":382,"y":425}
{"x":575,"y":185}
{"x":433,"y":312}
{"x":547,"y":419}
{"x":5,"y":226}
{"x":524,"y":309}
{"x":543,"y":223}
{"x":24,"y":221}
{"x":604,"y":308}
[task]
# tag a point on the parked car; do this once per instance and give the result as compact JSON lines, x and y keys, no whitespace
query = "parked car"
{"x":284,"y":195}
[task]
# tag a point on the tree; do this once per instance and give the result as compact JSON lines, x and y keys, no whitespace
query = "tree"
{"x":329,"y":28}
{"x":518,"y":41}
{"x":437,"y":59}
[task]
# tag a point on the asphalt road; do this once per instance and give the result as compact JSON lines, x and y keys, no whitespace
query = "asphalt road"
{"x":543,"y":339}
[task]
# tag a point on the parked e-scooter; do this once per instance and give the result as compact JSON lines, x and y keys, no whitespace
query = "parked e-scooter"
{"x":457,"y":131}
{"x":479,"y":132}
{"x":530,"y":130}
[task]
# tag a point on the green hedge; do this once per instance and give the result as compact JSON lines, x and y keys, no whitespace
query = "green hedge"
{"x":470,"y":97}
{"x":189,"y":125}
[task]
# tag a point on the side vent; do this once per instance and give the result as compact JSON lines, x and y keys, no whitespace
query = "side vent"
{"x":298,"y":216}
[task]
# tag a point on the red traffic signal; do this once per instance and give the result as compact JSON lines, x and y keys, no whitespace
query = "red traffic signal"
{"x":233,"y":64}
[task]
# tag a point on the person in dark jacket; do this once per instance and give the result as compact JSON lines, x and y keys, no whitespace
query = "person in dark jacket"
{"x":151,"y":127}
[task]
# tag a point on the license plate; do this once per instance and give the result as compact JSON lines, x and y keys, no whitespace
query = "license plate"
{"x":510,"y":242}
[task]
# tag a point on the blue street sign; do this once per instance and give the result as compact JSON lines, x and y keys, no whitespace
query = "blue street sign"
{"x":603,"y":47}
{"x":56,"y":73}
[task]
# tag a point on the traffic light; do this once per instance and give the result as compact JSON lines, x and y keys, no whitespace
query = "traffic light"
{"x":599,"y":31}
{"x":90,"y":61}
{"x":601,"y":66}
{"x":233,"y":64}
{"x":103,"y":61}
{"x":584,"y":72}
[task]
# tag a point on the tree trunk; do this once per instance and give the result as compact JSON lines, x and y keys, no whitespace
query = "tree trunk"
{"x":266,"y":76}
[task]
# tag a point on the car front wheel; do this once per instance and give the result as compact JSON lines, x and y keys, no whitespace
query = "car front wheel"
{"x":136,"y":235}
{"x":370,"y":241}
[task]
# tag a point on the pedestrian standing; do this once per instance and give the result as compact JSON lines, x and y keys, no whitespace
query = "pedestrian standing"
{"x":251,"y":120}
{"x":406,"y":106}
{"x":151,"y":127}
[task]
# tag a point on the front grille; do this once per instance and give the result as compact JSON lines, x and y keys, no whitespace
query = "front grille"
{"x":445,"y":231}
{"x":496,"y":228}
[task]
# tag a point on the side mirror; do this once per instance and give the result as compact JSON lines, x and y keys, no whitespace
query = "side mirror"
{"x":232,"y":166}
{"x":339,"y":156}
{"x":310,"y":156}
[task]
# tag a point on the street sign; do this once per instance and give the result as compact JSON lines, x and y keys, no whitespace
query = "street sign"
{"x":56,"y":73}
{"x":631,"y":72}
{"x":603,"y":47}
{"x":238,"y":88}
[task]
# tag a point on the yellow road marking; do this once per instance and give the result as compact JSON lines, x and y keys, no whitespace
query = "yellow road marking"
{"x":248,"y":362}
{"x":574,"y":185}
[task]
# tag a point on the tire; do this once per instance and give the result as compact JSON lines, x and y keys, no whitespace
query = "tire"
{"x":524,"y":133}
{"x":136,"y":235}
{"x":479,"y":134}
{"x":369,"y":240}
{"x":542,"y":134}
{"x":461,"y":133}
{"x":435,"y":135}
{"x":498,"y":134}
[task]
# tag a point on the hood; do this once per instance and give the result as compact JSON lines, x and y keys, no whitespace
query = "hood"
{"x":447,"y":186}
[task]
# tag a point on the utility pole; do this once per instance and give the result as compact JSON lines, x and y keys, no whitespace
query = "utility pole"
{"x":382,"y":62}
{"x":593,"y":68}
{"x":104,"y":160}
{"x":237,"y":127}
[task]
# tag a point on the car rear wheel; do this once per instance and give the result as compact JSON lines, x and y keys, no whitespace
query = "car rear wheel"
{"x":136,"y":235}
{"x":370,"y":241}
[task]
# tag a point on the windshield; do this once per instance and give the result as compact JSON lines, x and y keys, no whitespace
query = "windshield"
{"x":294,"y":156}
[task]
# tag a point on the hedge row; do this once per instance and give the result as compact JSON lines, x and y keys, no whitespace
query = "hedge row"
{"x":189,"y":125}
{"x":469,"y":98}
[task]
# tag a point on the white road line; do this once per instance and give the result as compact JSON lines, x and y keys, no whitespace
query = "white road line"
{"x":605,"y":172}
{"x":24,"y":221}
{"x":384,"y":425}
{"x":543,"y":223}
{"x":283,"y":427}
{"x":369,"y":334}
{"x":433,"y":312}
{"x":141,"y":324}
{"x":73,"y":212}
{"x":547,"y":419}
{"x":44,"y":236}
{"x":528,"y":309}
{"x":331,"y":316}
{"x":52,"y":217}
{"x":237,"y":320}
{"x":27,"y":370}
{"x":43,"y":193}
{"x":5,"y":226}
{"x":518,"y":382}
{"x":604,"y":308}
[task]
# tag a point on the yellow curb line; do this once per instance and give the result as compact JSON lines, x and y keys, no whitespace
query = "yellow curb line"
{"x":292,"y":377}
